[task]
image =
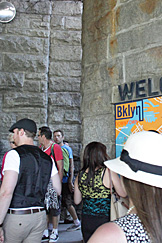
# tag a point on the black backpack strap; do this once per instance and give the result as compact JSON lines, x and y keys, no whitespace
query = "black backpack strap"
{"x":66,"y":151}
{"x":53,"y":153}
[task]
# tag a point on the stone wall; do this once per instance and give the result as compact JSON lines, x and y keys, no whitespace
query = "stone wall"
{"x":40,"y":68}
{"x":40,"y":64}
{"x":122,"y":43}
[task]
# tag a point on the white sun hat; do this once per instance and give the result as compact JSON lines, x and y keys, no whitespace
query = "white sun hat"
{"x":141,"y":159}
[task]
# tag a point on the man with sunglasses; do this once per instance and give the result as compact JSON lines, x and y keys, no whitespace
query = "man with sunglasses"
{"x":12,"y":144}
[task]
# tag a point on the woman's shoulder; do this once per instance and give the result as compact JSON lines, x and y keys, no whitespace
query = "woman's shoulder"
{"x":108,"y":233}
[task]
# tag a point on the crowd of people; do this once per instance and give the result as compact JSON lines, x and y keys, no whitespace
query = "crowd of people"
{"x":62,"y":159}
{"x":26,"y":174}
{"x":37,"y":182}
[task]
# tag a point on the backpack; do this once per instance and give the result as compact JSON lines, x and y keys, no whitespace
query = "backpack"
{"x":65,"y":154}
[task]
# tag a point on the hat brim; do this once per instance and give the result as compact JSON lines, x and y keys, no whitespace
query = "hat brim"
{"x":121,"y":168}
{"x":12,"y":128}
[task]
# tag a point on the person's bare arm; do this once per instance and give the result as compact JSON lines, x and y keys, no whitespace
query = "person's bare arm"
{"x":56,"y":183}
{"x":118,"y":185}
{"x":77,"y":192}
{"x":70,"y":179}
{"x":6,"y":193}
{"x":116,"y":181}
{"x":60,"y":167}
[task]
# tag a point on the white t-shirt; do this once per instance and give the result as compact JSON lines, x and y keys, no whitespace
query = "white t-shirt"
{"x":12,"y":162}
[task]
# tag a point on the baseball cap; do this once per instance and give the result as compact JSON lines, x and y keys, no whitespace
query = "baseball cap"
{"x":26,"y":124}
{"x":141,"y":159}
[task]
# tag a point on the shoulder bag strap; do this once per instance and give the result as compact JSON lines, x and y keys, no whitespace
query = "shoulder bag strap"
{"x":53,"y":154}
{"x":111,"y":184}
{"x":52,"y":151}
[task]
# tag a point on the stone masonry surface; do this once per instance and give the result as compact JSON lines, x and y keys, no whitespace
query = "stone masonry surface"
{"x":40,"y":68}
{"x":122,"y":43}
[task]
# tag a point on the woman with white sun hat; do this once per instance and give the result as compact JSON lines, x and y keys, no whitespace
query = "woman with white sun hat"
{"x":140,"y":166}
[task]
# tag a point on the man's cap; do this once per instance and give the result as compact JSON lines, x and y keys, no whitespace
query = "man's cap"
{"x":26,"y":124}
{"x":141,"y":159}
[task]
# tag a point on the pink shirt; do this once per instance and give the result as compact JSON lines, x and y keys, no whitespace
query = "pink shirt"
{"x":3,"y":161}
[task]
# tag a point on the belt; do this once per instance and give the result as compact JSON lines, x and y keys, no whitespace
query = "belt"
{"x":27,"y":211}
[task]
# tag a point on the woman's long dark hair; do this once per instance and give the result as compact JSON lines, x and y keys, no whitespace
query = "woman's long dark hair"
{"x":148,"y":202}
{"x":93,"y":157}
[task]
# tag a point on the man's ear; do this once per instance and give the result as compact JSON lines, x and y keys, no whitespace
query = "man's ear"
{"x":22,"y":132}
